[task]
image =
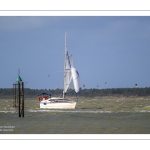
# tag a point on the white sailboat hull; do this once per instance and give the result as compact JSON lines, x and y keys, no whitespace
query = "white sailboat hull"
{"x":70,"y":73}
{"x":58,"y":105}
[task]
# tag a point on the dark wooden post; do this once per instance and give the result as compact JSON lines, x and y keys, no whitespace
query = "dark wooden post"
{"x":14,"y":95}
{"x":22,"y":99}
{"x":18,"y":96}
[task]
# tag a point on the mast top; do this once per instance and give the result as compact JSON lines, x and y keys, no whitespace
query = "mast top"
{"x":65,"y":40}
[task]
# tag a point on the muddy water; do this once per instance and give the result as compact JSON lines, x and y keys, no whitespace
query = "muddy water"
{"x":98,"y":115}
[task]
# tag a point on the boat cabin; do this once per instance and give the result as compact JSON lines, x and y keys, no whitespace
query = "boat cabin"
{"x":44,"y":96}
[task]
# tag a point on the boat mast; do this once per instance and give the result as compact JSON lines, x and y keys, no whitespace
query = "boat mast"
{"x":64,"y":64}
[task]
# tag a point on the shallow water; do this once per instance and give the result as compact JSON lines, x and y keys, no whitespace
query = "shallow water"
{"x":91,"y":116}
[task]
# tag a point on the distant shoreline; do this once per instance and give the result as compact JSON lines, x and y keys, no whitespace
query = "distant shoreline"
{"x":89,"y":97}
{"x":114,"y":92}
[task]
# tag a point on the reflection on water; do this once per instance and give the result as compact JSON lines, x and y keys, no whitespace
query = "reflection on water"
{"x":91,"y":116}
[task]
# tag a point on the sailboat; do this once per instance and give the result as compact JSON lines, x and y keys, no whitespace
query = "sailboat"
{"x":70,"y":75}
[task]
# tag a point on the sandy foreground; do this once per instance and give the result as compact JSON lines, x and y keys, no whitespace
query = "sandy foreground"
{"x":103,"y":103}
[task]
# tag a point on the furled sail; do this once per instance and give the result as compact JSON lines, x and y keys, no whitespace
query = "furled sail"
{"x":75,"y":77}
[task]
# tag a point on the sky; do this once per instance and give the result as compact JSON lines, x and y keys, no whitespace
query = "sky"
{"x":108,"y":51}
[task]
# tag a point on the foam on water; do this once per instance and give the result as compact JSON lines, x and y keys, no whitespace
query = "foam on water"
{"x":79,"y":111}
{"x":88,"y":111}
{"x":72,"y":111}
{"x":8,"y":111}
{"x":142,"y":111}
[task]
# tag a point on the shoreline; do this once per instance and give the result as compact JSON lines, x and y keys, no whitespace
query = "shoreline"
{"x":89,"y":97}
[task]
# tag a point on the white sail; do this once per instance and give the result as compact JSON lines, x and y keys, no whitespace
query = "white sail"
{"x":70,"y":73}
{"x":67,"y":69}
{"x":75,"y":77}
{"x":67,"y":75}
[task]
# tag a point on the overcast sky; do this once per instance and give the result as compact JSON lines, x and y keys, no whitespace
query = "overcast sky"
{"x":111,"y":49}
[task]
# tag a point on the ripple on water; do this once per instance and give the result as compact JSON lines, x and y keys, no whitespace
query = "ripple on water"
{"x":88,"y":111}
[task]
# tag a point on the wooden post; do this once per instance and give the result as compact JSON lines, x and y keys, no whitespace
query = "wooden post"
{"x":14,"y":95}
{"x":22,"y":99}
{"x":18,"y":97}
